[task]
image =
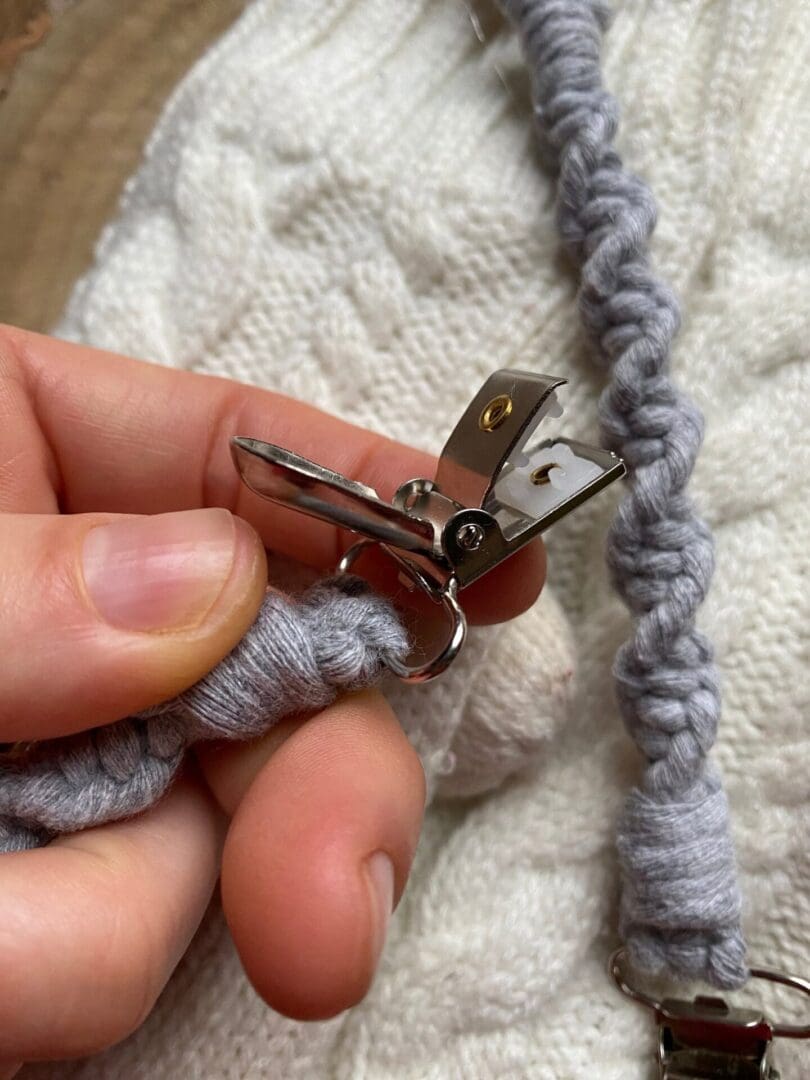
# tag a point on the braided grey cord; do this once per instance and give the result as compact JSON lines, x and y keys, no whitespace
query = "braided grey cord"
{"x":680,"y":908}
{"x":294,"y":659}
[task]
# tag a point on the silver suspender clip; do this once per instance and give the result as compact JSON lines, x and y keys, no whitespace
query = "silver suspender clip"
{"x":491,"y":495}
{"x":706,"y":1039}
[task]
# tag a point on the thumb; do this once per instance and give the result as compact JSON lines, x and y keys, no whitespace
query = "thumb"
{"x":102,"y":615}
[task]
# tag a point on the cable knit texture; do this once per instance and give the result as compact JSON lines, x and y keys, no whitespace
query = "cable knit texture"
{"x":681,"y":904}
{"x":296,"y":657}
{"x":346,"y":205}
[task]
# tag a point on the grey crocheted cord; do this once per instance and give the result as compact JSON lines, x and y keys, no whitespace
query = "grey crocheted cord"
{"x":680,"y":909}
{"x":294,"y":659}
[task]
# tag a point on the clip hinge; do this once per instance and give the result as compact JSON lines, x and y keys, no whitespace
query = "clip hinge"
{"x":508,"y":488}
{"x":492,"y":494}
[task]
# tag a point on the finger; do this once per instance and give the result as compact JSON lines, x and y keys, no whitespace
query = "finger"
{"x":319,"y":850}
{"x":507,"y":591}
{"x":108,"y":436}
{"x":93,"y":925}
{"x":127,"y":610}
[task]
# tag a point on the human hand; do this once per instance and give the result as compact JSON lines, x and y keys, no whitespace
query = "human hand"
{"x":103,"y":611}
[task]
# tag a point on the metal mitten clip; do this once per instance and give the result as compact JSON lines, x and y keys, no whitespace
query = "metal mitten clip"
{"x":706,"y":1039}
{"x":491,"y":495}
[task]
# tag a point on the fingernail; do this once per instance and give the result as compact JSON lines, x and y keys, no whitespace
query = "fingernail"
{"x":380,"y":871}
{"x":163,"y":572}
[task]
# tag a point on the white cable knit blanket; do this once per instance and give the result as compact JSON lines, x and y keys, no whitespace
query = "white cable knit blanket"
{"x":343,"y":201}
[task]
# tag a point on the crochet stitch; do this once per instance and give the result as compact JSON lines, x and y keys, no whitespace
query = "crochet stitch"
{"x":680,"y":909}
{"x":295,"y":658}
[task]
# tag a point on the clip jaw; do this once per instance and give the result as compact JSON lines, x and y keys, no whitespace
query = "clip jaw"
{"x":706,"y":1039}
{"x":492,"y":494}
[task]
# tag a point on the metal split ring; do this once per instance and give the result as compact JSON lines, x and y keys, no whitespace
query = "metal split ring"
{"x":446,"y":596}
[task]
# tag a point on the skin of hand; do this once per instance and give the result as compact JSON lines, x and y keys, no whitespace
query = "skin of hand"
{"x":132,"y":560}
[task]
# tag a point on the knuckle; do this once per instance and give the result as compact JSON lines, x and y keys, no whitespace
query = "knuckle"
{"x":43,"y":565}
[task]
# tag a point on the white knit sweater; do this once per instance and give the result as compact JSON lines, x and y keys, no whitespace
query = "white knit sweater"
{"x":342,"y":201}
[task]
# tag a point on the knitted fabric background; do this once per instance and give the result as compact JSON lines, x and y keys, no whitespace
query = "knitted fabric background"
{"x":343,"y":201}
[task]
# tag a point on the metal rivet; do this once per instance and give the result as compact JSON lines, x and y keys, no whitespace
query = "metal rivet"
{"x":495,"y":412}
{"x":469,"y":536}
{"x":540,"y":475}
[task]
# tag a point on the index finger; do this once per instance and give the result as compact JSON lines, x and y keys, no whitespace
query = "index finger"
{"x":126,"y":436}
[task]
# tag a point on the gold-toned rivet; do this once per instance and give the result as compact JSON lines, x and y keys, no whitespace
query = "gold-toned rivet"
{"x":495,"y":412}
{"x":540,"y":474}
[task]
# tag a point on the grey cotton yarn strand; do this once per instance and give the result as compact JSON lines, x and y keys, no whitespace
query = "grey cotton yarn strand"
{"x":295,"y":658}
{"x":680,"y":907}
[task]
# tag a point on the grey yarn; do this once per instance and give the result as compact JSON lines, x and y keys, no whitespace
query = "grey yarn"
{"x":680,"y":909}
{"x":295,"y":658}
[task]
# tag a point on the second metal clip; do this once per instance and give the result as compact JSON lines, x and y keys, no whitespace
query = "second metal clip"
{"x":491,"y":495}
{"x":707,"y":1039}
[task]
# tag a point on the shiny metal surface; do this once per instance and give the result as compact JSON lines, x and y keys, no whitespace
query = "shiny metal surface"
{"x":447,"y":596}
{"x":707,"y":1039}
{"x":287,"y":478}
{"x":493,"y":493}
{"x":474,"y":454}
